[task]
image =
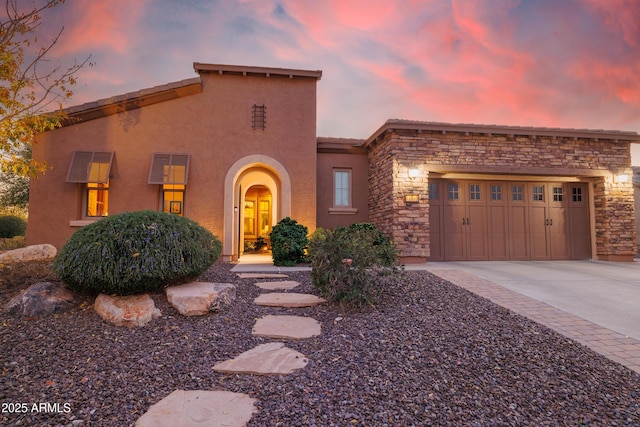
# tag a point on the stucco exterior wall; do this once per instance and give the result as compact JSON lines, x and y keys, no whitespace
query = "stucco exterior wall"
{"x":214,"y":127}
{"x":396,"y":151}
{"x":357,"y":163}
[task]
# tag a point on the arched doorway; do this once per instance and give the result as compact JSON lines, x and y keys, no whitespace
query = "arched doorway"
{"x":257,"y":196}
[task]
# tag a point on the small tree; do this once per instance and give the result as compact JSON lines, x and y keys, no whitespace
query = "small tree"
{"x":14,"y":189}
{"x":31,"y":86}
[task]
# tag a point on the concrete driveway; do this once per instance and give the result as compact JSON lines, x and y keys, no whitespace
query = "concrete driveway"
{"x":604,"y":293}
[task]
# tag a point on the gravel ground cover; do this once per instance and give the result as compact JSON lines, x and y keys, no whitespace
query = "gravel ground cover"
{"x":430,"y":354}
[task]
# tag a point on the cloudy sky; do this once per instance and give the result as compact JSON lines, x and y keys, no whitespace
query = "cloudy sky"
{"x":550,"y":63}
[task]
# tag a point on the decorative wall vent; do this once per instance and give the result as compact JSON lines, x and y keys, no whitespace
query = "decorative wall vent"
{"x":259,"y":117}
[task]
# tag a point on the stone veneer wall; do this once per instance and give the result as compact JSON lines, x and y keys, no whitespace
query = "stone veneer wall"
{"x":397,"y":151}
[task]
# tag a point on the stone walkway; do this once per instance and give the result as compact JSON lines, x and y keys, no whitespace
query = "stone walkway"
{"x":222,"y":408}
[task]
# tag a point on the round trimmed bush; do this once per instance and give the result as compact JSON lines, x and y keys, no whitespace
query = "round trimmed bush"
{"x":136,"y":252}
{"x":12,"y":226}
{"x":288,"y":242}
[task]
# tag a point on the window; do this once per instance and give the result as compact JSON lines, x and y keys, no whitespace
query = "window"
{"x":249,"y":217}
{"x":433,"y":191}
{"x":516,"y":193}
{"x":557,"y":194}
{"x":264,"y":213}
{"x":92,"y":168}
{"x":496,"y":192}
{"x":453,"y":192}
{"x":577,"y":194}
{"x":342,"y":188}
{"x":474,"y":191}
{"x":538,"y":193}
{"x":259,"y":117}
{"x":171,"y":171}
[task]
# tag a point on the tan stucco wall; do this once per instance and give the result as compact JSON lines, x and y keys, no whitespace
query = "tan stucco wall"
{"x":214,"y":126}
{"x":358,"y":163}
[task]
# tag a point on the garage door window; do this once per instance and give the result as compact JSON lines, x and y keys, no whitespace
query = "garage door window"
{"x":433,"y":191}
{"x":474,"y":192}
{"x":577,"y":194}
{"x":516,"y":193}
{"x":538,"y":193}
{"x":557,"y":194}
{"x":496,"y":192}
{"x":454,"y":193}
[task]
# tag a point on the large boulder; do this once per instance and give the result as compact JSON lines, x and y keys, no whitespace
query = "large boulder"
{"x":200,"y":298}
{"x":29,"y":253}
{"x":42,"y":299}
{"x":133,"y":310}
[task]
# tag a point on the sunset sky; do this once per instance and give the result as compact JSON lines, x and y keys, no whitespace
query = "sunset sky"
{"x":549,"y":63}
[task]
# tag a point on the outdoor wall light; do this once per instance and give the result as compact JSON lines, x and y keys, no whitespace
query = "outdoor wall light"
{"x":414,"y":173}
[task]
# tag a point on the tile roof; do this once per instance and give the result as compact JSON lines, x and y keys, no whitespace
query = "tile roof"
{"x":133,"y":100}
{"x":256,"y":71}
{"x":614,"y":135}
{"x":333,"y":145}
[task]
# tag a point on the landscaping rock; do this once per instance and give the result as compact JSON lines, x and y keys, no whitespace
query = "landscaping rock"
{"x":30,"y":253}
{"x":265,"y":359}
{"x":42,"y":299}
{"x":200,"y":408}
{"x":279,"y":285}
{"x":200,"y":298}
{"x":286,"y":327}
{"x":277,"y":299}
{"x":132,"y":310}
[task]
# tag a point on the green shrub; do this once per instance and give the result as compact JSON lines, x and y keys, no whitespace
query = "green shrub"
{"x":288,"y":242}
{"x":352,"y":264}
{"x":12,"y":226}
{"x":136,"y":252}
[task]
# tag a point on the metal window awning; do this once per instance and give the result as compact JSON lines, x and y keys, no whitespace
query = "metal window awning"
{"x":90,"y":166}
{"x":169,"y":168}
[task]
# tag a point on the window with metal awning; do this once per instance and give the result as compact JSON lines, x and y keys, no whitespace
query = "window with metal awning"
{"x":171,"y":172}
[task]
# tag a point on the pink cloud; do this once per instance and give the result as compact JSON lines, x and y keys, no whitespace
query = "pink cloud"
{"x":621,"y":16}
{"x":101,"y":24}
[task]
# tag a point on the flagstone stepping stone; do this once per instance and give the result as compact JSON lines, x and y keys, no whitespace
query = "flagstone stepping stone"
{"x":265,"y":359}
{"x":283,"y":327}
{"x":291,"y":299}
{"x":262,"y":275}
{"x":193,"y":408}
{"x":200,"y":298}
{"x":272,"y":286}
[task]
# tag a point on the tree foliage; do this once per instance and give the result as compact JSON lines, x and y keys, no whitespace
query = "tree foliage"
{"x":14,"y":189}
{"x":32,"y":88}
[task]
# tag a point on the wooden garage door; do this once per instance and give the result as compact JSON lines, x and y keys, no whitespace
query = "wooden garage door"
{"x":487,"y":220}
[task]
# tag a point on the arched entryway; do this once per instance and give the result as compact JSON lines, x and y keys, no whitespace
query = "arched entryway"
{"x":257,"y":195}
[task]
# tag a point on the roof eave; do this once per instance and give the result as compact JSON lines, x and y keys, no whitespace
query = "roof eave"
{"x":256,"y":71}
{"x":131,"y":101}
{"x":616,"y":136}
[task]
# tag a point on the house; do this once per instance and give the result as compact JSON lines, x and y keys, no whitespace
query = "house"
{"x":236,"y":150}
{"x":636,"y":195}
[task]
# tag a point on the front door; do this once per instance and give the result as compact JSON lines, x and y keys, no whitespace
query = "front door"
{"x":257,"y":218}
